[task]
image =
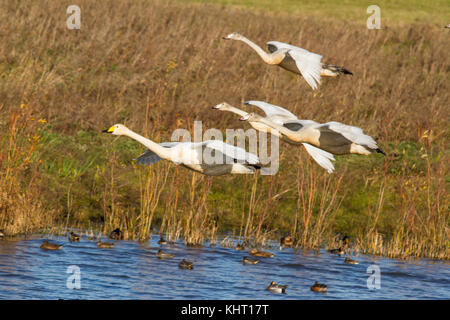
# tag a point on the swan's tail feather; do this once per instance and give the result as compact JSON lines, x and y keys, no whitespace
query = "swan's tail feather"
{"x":329,"y":70}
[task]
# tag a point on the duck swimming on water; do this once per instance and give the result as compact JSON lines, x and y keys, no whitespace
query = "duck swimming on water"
{"x":184,"y":264}
{"x":163,"y":255}
{"x":247,"y":260}
{"x":73,"y":237}
{"x":286,"y":241}
{"x":116,"y":234}
{"x":50,"y":246}
{"x":162,"y":240}
{"x":350,"y":261}
{"x":255,"y":252}
{"x":319,"y":287}
{"x":339,"y":251}
{"x":105,"y":245}
{"x":344,"y":246}
{"x":277,"y":288}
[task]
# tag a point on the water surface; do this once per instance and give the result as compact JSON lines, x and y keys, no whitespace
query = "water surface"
{"x":131,"y":270}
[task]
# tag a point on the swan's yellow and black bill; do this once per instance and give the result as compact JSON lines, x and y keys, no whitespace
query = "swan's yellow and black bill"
{"x":110,"y":130}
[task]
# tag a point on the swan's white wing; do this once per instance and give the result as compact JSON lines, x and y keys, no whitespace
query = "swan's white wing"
{"x":298,"y":124}
{"x":308,"y":64}
{"x":272,"y":110}
{"x":233,"y":152}
{"x":277,"y":45}
{"x":149,"y":157}
{"x":352,"y":133}
{"x":323,"y":158}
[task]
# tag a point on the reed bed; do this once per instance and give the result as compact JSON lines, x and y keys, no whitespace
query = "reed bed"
{"x":157,"y":66}
{"x":20,"y":208}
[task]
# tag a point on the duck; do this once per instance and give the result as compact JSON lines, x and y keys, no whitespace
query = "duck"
{"x":73,"y":237}
{"x":163,"y":255}
{"x":318,"y":287}
{"x":50,"y":246}
{"x":184,"y":264}
{"x":339,"y":251}
{"x":286,"y":241}
{"x":350,"y":261}
{"x":116,"y":234}
{"x":344,"y":246}
{"x":277,"y":288}
{"x":105,"y":245}
{"x":162,"y":240}
{"x":240,"y":246}
{"x":247,"y":260}
{"x":255,"y":252}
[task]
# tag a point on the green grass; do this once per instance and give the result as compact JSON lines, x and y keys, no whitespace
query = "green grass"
{"x":89,"y":157}
{"x":395,"y":12}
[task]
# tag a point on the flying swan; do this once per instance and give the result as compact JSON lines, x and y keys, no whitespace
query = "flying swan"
{"x":294,"y":59}
{"x":333,"y":137}
{"x":224,"y":158}
{"x":277,"y":115}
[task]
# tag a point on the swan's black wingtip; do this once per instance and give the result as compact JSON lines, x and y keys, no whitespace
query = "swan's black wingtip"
{"x":345,"y":71}
{"x":381,"y":151}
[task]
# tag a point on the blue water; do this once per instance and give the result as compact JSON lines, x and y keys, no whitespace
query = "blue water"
{"x":132,"y":271}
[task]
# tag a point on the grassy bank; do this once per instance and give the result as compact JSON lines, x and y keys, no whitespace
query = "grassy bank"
{"x":392,"y":12}
{"x":158,"y":66}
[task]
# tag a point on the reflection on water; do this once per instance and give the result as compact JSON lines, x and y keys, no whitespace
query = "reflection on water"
{"x":131,"y":270}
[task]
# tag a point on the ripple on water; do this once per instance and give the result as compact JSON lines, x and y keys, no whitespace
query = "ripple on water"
{"x":131,"y":270}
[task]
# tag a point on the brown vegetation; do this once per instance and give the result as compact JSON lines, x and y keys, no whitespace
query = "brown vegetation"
{"x":158,"y":66}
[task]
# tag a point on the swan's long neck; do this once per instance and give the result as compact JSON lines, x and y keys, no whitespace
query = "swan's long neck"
{"x":236,"y":110}
{"x":161,"y":151}
{"x":264,"y":55}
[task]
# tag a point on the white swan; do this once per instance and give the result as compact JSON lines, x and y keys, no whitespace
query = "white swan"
{"x":333,"y":137}
{"x":212,"y":157}
{"x":294,"y":59}
{"x":281,"y":116}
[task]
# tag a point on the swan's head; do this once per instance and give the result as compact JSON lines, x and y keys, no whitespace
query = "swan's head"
{"x":221,"y":106}
{"x":234,"y":36}
{"x":117,"y":129}
{"x":250,"y":117}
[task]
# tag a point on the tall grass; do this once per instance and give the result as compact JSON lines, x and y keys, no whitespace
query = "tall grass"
{"x":20,"y":208}
{"x":317,"y":205}
{"x":422,"y":222}
{"x":157,"y":66}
